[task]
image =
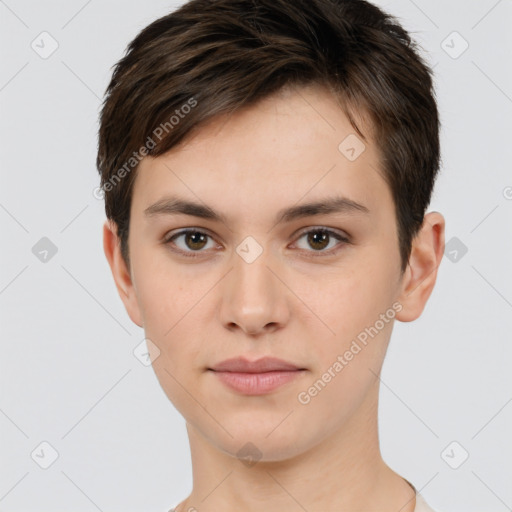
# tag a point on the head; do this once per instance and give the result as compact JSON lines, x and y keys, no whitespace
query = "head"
{"x":252,"y":110}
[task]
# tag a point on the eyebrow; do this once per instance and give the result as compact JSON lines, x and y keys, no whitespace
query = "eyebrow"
{"x":175,"y":205}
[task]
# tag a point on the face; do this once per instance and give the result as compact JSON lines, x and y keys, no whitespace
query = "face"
{"x":249,"y":273}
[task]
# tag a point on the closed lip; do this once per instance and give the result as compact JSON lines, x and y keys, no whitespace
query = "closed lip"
{"x":265,"y":364}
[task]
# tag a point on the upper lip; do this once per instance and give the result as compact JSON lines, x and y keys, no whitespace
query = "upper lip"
{"x":265,"y":364}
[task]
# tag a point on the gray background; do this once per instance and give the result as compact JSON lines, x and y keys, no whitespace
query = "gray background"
{"x":68,"y":373}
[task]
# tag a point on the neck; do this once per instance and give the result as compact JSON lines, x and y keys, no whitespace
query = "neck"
{"x":343,"y":472}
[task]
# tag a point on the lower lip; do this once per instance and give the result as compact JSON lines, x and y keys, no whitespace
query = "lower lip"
{"x":257,"y":383}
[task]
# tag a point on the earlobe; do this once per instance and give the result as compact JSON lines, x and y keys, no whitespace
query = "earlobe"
{"x":120,"y":272}
{"x":421,"y":274}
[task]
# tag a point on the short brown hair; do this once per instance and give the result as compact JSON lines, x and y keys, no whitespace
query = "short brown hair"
{"x":216,"y":56}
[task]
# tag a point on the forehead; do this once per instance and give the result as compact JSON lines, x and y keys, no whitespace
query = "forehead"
{"x":295,"y":146}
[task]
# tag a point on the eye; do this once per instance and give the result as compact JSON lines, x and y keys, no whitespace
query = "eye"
{"x":320,"y":239}
{"x":192,"y":241}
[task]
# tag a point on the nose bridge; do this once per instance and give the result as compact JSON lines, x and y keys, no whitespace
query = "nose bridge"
{"x":253,"y":298}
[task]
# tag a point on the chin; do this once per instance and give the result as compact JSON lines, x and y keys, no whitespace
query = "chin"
{"x":251,"y":451}
{"x":262,"y":441}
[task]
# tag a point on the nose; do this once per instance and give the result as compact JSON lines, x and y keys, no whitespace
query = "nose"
{"x":254,"y":300}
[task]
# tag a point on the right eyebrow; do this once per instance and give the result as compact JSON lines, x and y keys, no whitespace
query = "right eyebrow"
{"x":175,"y":205}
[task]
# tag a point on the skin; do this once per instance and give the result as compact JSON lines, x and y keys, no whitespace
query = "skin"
{"x":294,"y":302}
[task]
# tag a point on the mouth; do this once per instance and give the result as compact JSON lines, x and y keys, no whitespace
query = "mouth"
{"x":256,"y":377}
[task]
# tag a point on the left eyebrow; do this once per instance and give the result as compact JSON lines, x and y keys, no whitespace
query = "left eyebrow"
{"x":175,"y":205}
{"x":338,"y":204}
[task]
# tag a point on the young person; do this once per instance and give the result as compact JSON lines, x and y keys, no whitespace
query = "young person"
{"x":267,"y":165}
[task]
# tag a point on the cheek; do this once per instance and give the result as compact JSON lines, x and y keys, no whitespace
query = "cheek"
{"x":346,"y":370}
{"x":169,"y":299}
{"x":347,"y":301}
{"x":171,"y":322}
{"x":350,"y":308}
{"x":164,"y":294}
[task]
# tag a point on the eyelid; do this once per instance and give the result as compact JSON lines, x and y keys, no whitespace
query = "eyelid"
{"x":343,"y":239}
{"x":332,"y":231}
{"x":167,"y":239}
{"x":182,"y":231}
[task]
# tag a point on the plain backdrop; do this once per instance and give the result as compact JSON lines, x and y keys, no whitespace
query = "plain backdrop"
{"x":69,"y":377}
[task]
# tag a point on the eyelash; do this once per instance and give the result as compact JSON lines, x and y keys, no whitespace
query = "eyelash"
{"x":197,"y":254}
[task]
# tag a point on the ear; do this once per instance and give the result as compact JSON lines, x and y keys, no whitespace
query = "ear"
{"x":421,"y":273}
{"x":122,"y":277}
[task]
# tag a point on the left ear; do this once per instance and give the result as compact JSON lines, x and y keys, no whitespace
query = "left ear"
{"x":421,"y":273}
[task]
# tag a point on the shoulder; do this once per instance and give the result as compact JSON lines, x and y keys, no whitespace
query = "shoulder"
{"x":421,"y":505}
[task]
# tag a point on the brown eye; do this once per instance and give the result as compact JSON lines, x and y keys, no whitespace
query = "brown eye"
{"x":195,"y":240}
{"x":320,"y":239}
{"x":190,"y":241}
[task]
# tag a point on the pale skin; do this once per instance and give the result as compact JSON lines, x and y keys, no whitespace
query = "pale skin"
{"x":294,"y":301}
